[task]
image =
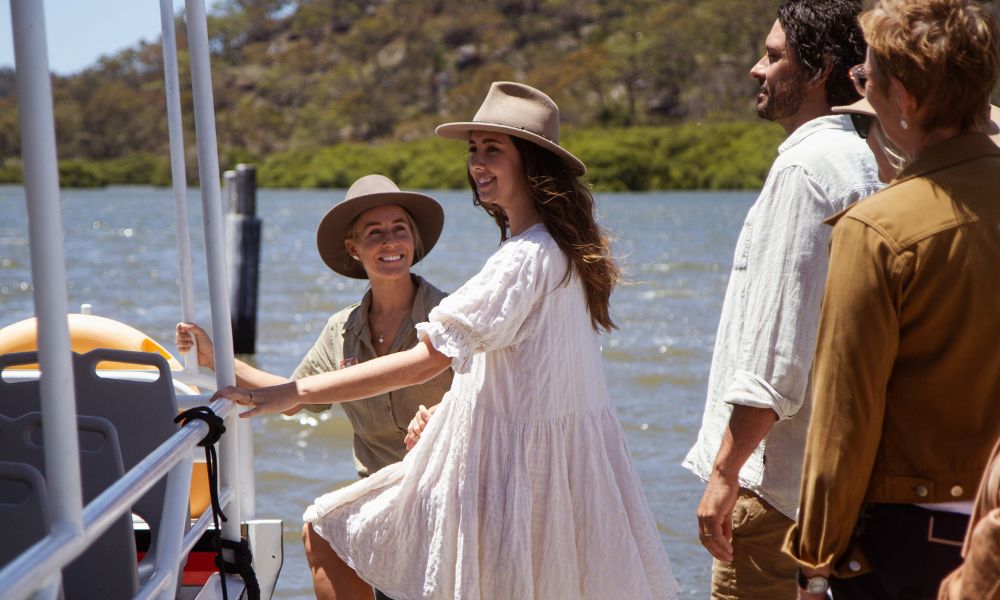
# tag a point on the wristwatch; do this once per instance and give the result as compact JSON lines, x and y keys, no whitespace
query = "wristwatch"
{"x":817,"y":586}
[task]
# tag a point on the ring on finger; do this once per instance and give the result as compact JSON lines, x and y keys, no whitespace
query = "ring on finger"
{"x":251,"y":397}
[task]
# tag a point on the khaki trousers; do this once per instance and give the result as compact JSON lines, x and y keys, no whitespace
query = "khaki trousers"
{"x":759,"y":571}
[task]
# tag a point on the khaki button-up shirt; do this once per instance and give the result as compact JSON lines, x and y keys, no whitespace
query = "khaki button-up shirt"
{"x":907,"y":371}
{"x":379,"y":422}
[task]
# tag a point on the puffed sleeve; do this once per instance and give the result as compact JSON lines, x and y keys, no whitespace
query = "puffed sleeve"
{"x":492,"y":310}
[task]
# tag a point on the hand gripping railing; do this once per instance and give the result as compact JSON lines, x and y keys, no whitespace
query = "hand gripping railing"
{"x":172,"y":459}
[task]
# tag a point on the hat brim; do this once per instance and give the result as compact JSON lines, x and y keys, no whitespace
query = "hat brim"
{"x":460,"y":131}
{"x":428,"y":217}
{"x":864,"y":107}
{"x":861,"y":107}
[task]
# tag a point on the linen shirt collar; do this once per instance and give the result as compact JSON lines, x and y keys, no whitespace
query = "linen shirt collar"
{"x":810,"y":127}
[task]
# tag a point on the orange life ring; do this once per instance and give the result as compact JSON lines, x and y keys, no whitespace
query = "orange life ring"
{"x":87,"y":332}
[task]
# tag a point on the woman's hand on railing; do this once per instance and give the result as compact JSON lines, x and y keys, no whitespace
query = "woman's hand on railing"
{"x":184,"y":337}
{"x":273,"y":399}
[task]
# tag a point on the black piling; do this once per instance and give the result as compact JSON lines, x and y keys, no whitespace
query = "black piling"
{"x":243,"y":239}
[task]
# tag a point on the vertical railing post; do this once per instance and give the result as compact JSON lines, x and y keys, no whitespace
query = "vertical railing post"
{"x":171,"y":536}
{"x":48,"y":268}
{"x":218,"y":289}
{"x":178,"y":172}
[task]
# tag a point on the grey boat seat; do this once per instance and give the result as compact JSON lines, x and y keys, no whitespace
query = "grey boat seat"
{"x":142,"y":412}
{"x":24,"y":514}
{"x":107,"y":569}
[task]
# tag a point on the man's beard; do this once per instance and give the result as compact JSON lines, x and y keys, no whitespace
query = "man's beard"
{"x":782,"y":101}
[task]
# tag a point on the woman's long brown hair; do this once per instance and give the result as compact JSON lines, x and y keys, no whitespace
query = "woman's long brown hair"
{"x":567,"y":209}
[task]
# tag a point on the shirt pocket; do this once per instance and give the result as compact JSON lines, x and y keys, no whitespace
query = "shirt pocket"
{"x":742,"y":256}
{"x":365,"y":416}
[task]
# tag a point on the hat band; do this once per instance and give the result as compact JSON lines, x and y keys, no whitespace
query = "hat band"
{"x":525,"y":129}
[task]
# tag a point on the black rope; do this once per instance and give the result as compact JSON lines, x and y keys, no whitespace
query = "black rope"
{"x":216,"y":427}
{"x":242,"y":564}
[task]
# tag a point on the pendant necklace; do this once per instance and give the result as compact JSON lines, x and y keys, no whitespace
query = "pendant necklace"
{"x":381,"y":339}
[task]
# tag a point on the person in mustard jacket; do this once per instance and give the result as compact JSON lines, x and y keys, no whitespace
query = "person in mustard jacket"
{"x":906,"y":374}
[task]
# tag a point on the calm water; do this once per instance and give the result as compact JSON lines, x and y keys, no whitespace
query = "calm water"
{"x":677,"y":247}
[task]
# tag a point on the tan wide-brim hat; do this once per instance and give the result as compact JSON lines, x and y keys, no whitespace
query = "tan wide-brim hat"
{"x":863,"y":107}
{"x":521,"y":111}
{"x":368,"y":192}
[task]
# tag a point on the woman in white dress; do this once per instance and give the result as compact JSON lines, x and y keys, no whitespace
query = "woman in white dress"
{"x":521,"y":485}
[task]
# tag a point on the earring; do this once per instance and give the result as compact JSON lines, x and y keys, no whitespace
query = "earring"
{"x":355,"y":257}
{"x":903,"y":123}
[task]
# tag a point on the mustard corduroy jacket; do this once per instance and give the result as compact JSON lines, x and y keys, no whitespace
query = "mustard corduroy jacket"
{"x":906,"y":379}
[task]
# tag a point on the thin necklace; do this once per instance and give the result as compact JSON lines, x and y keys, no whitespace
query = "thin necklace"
{"x":381,"y":339}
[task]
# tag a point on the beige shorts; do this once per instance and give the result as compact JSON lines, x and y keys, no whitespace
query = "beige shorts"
{"x":759,"y":571}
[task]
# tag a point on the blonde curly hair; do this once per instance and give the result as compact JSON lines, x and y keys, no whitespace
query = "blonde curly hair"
{"x":944,"y":52}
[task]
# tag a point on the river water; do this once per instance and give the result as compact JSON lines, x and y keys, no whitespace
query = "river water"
{"x":677,"y":249}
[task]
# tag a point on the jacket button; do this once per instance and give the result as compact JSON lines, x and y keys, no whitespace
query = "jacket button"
{"x":922,"y":491}
{"x":854,"y":566}
{"x":957,"y":491}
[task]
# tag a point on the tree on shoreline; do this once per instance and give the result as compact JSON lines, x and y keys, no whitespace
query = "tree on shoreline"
{"x":300,"y":75}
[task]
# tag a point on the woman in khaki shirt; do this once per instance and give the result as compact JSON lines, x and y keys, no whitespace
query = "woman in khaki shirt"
{"x":377,"y":233}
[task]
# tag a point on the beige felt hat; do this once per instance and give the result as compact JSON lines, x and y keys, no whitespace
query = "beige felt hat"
{"x":368,"y":192}
{"x":520,"y":111}
{"x":861,"y":107}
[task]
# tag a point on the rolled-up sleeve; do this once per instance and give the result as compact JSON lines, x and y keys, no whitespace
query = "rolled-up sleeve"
{"x":788,"y":256}
{"x":856,"y":347}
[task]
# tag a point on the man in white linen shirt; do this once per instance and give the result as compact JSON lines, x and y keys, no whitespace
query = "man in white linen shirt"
{"x":752,"y":438}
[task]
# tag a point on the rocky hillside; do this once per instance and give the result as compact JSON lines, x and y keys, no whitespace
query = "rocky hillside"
{"x":301,"y":74}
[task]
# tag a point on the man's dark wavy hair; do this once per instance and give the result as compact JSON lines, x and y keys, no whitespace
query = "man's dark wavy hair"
{"x":824,"y":34}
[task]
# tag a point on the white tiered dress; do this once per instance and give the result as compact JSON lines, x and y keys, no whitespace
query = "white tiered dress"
{"x":521,"y":486}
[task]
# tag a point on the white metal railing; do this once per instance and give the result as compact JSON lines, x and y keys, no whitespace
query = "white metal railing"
{"x":48,"y":276}
{"x":218,"y":287}
{"x":172,"y":459}
{"x":38,"y":570}
{"x":178,"y":173}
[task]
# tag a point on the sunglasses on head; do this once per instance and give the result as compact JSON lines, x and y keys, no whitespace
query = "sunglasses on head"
{"x":862,"y":124}
{"x":859,"y":76}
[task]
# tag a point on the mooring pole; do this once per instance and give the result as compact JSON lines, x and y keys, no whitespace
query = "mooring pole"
{"x":243,"y":237}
